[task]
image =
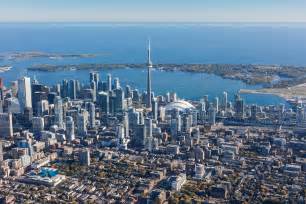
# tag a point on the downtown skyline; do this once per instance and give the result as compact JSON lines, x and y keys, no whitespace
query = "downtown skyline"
{"x":213,"y":112}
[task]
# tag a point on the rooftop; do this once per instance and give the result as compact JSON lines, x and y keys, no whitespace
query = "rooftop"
{"x":181,"y":105}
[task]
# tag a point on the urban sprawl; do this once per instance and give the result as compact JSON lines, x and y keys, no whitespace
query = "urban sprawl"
{"x":103,"y":143}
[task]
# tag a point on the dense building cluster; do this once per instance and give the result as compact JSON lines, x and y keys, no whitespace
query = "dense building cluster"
{"x":104,"y":143}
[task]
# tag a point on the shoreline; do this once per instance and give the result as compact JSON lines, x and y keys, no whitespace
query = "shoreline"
{"x":250,"y":74}
{"x":260,"y":91}
{"x":288,"y":93}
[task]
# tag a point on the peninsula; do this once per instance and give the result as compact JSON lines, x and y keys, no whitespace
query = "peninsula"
{"x":286,"y":93}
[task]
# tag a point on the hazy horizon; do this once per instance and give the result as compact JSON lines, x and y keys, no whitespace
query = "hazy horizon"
{"x":270,"y":11}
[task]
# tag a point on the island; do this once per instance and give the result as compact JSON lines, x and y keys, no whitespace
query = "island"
{"x":5,"y":68}
{"x":270,"y":76}
{"x":13,"y":56}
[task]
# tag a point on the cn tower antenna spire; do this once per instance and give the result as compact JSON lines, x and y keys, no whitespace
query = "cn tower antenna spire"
{"x":149,"y":88}
{"x":149,"y":53}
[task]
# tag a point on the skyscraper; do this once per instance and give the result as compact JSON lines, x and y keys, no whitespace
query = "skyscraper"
{"x":173,"y":97}
{"x":211,"y":115}
{"x":92,"y":115}
{"x":119,"y":100}
{"x":43,"y":108}
{"x":58,"y":112}
{"x":224,"y":101}
{"x":84,"y":157}
{"x":70,"y":129}
{"x":103,"y":102}
{"x":37,"y":125}
{"x":126,"y":124}
{"x":239,"y":107}
{"x":254,"y":112}
{"x":148,"y":132}
{"x":168,"y":97}
{"x":93,"y":86}
{"x":216,"y":104}
{"x":128,"y":92}
{"x":154,"y":109}
{"x":82,"y":123}
{"x":116,"y":83}
{"x":299,"y":115}
{"x":24,"y":93}
{"x":136,"y":95}
{"x":121,"y":138}
{"x":6,"y":125}
{"x":205,"y":99}
{"x":1,"y":152}
{"x":202,"y":111}
{"x":138,"y":139}
{"x":1,"y":95}
{"x":134,"y":118}
{"x":174,"y":128}
{"x":149,"y":65}
{"x":72,"y":89}
{"x":109,"y":82}
{"x":64,"y":92}
{"x":94,"y":76}
{"x":187,"y":121}
{"x":1,"y":90}
{"x":14,"y":88}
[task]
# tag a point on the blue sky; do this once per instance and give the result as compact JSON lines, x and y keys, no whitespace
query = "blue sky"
{"x":153,"y":10}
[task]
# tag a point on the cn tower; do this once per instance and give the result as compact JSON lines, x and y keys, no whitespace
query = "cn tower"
{"x":149,"y":89}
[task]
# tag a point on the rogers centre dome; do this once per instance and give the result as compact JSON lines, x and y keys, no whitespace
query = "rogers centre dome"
{"x":180,"y":105}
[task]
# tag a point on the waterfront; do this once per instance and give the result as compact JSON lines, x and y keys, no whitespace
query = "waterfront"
{"x":192,"y":43}
{"x":187,"y":85}
{"x":150,"y":102}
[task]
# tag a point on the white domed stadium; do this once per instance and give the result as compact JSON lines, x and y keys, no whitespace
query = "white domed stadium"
{"x":180,"y":105}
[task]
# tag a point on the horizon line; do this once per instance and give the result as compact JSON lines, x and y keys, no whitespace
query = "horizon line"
{"x":156,"y":22}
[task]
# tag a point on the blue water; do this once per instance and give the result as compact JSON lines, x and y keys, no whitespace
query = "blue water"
{"x":171,"y":43}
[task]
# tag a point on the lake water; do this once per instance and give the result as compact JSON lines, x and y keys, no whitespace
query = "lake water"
{"x":171,"y":43}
